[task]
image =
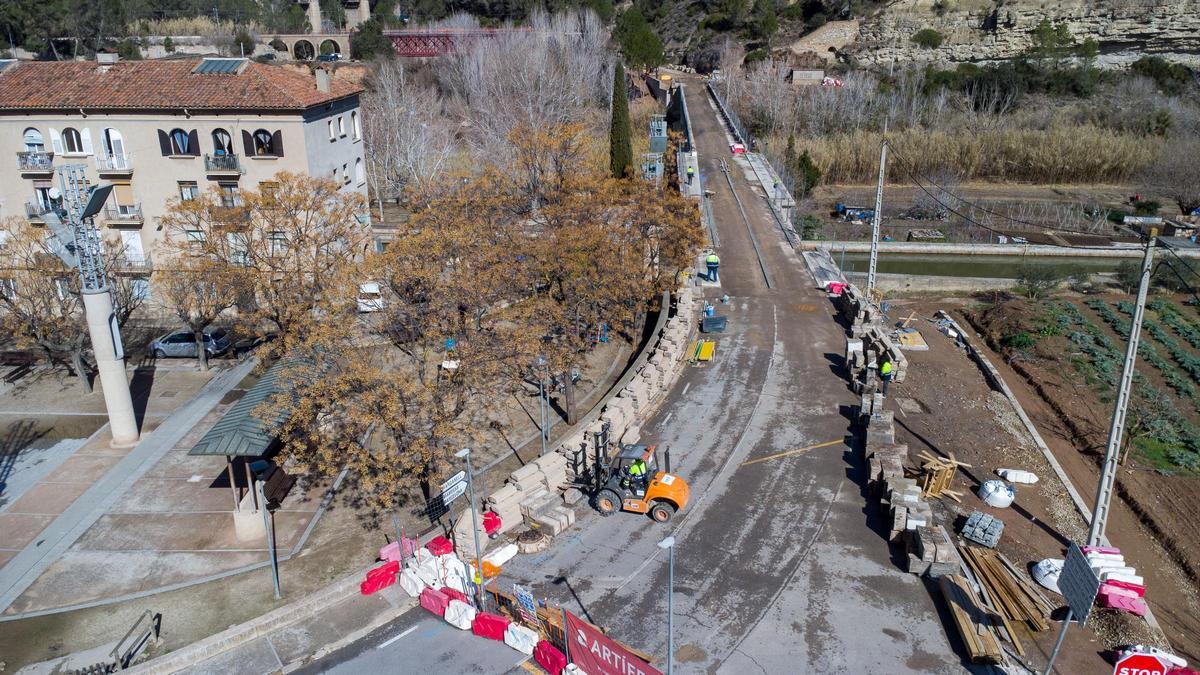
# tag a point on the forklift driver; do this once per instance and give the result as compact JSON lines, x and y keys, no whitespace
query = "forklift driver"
{"x":637,"y":473}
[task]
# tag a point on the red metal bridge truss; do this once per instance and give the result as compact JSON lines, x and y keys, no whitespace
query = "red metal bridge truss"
{"x":436,"y":41}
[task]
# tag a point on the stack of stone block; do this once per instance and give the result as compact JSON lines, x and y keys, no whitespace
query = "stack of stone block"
{"x":931,"y":552}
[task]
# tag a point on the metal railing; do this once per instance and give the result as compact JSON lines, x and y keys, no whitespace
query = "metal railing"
{"x":131,"y":213}
{"x":739,"y":129}
{"x":35,"y":161}
{"x":222,"y":163}
{"x":114,"y":163}
{"x":132,"y":262}
{"x":37,"y":209}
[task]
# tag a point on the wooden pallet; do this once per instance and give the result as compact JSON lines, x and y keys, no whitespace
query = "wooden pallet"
{"x":937,"y":476}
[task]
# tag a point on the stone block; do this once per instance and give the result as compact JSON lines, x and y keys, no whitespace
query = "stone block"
{"x":506,"y":493}
{"x":573,"y":496}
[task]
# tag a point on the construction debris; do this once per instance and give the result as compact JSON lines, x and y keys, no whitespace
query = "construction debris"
{"x":975,"y":623}
{"x":910,"y":339}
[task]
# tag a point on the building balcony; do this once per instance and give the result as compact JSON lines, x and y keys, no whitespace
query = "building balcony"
{"x":132,"y":263}
{"x":224,"y":165}
{"x":124,"y":214}
{"x":114,"y":165}
{"x":35,"y":162}
{"x":36,"y":210}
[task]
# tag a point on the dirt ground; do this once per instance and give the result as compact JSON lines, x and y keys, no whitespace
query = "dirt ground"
{"x":954,"y":410}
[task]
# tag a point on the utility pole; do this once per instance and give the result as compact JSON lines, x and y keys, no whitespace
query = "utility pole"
{"x":669,"y":544}
{"x":1108,"y":474}
{"x":465,"y":453}
{"x":262,"y":504}
{"x":78,"y":245}
{"x":878,"y":214}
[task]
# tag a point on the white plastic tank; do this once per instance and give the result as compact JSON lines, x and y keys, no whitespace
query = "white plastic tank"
{"x":1017,"y":476}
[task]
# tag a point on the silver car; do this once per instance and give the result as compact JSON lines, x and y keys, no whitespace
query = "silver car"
{"x":182,"y":343}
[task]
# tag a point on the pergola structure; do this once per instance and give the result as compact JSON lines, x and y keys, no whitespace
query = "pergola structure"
{"x":245,"y":432}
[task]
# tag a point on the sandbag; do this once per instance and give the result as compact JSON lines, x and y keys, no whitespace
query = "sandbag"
{"x":520,"y":638}
{"x":501,"y":555}
{"x":490,"y":626}
{"x":549,"y":657}
{"x":459,"y":614}
{"x":434,"y":601}
{"x":411,"y":583}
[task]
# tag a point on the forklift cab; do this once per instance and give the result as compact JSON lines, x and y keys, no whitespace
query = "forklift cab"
{"x":624,"y":461}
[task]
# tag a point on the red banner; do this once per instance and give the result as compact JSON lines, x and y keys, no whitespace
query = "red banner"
{"x":598,"y":655}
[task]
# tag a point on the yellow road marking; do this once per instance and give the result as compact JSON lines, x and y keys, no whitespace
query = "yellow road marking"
{"x":792,"y":452}
{"x":526,"y":665}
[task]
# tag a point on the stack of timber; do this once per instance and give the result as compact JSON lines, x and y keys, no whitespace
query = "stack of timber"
{"x":1011,"y":593}
{"x":975,"y":622}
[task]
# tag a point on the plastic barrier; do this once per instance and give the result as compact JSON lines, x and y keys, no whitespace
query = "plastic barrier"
{"x":392,"y":550}
{"x":573,"y":669}
{"x":440,"y":546}
{"x":1140,"y":591}
{"x":411,"y":583}
{"x":520,"y":638}
{"x":1018,"y":476}
{"x":429,"y":572}
{"x":455,"y":594}
{"x":490,"y":626}
{"x":500,"y":555}
{"x":548,"y":657}
{"x":380,"y":578}
{"x":459,"y":614}
{"x":434,"y":601}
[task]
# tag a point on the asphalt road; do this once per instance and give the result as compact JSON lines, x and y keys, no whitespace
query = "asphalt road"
{"x":780,"y":567}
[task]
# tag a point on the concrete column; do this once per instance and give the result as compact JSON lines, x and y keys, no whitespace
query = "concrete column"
{"x":314,"y":19}
{"x":121,"y":419}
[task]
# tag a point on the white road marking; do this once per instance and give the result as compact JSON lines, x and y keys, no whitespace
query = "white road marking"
{"x":685,"y":388}
{"x":397,"y":637}
{"x":668,"y":417}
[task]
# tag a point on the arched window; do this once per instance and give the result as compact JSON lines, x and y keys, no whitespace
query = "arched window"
{"x":180,"y":143}
{"x":72,"y":141}
{"x":356,"y":124}
{"x":264,"y":144}
{"x":359,"y":177}
{"x":222,"y":142}
{"x":33,"y":141}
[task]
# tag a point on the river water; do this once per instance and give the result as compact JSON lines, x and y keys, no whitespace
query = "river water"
{"x":949,"y":265}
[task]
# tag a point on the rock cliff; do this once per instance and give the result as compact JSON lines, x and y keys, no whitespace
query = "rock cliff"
{"x":983,"y":30}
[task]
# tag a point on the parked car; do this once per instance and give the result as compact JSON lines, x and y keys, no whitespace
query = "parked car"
{"x":370,"y":299}
{"x":182,"y":344}
{"x":330,"y":57}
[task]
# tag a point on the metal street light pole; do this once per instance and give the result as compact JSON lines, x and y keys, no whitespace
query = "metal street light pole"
{"x":262,"y":504}
{"x":465,"y":453}
{"x":543,"y":404}
{"x":669,"y":544}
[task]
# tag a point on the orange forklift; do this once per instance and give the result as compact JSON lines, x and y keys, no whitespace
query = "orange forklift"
{"x":620,"y":486}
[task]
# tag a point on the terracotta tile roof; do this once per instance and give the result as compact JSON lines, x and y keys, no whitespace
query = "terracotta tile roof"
{"x":167,"y":83}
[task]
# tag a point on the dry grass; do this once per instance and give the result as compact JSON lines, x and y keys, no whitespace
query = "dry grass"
{"x":1080,"y":154}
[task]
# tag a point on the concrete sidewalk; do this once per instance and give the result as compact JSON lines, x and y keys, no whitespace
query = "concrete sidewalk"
{"x":58,"y":535}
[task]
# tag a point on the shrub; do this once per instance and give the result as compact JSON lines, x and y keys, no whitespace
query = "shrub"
{"x":1019,"y":340}
{"x":129,"y":50}
{"x":755,"y":56}
{"x":1036,"y":281}
{"x":1172,"y":78}
{"x":928,"y":38}
{"x":168,"y":45}
{"x":1146,"y":207}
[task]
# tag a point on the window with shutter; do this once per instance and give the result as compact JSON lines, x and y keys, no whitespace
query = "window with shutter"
{"x":180,"y":142}
{"x":72,"y":141}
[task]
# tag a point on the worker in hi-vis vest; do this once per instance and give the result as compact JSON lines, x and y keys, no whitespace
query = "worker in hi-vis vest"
{"x":637,"y":472}
{"x":885,"y":374}
{"x":691,"y":171}
{"x":712,"y":262}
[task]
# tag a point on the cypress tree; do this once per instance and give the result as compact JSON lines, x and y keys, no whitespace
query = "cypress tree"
{"x":620,"y":151}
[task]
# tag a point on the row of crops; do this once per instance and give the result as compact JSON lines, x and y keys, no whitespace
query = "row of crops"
{"x":1153,"y":420}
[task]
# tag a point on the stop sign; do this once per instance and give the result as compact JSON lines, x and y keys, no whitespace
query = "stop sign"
{"x":1140,"y":664}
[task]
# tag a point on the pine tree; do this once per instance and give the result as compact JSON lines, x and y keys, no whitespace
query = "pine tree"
{"x":620,"y":151}
{"x":809,"y":174}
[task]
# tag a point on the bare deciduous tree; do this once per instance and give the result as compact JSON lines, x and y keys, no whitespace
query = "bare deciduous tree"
{"x":1176,"y":174}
